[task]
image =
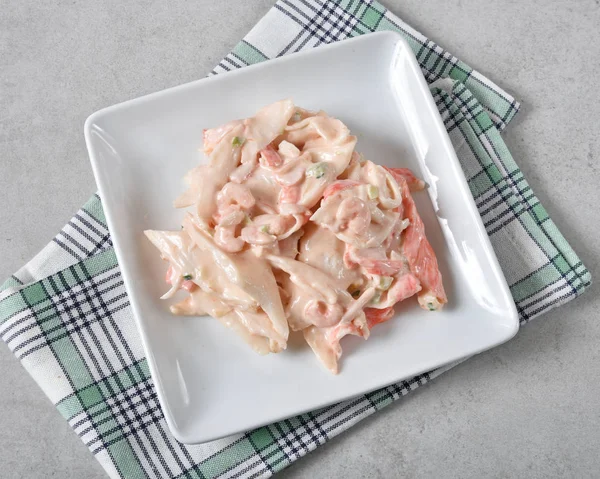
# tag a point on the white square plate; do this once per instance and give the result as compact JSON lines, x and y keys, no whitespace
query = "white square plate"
{"x":209,"y":382}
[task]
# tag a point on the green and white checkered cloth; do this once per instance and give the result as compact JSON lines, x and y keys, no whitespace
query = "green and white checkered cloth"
{"x":66,"y":314}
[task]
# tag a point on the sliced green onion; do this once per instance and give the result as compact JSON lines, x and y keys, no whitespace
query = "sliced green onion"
{"x":318,"y":170}
{"x":430,"y":307}
{"x":385,"y":282}
{"x":375,"y":299}
{"x":372,"y":192}
{"x":238,"y":141}
{"x":265,"y":229}
{"x":187,"y":276}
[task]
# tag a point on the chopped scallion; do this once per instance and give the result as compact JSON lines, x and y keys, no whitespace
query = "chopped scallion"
{"x":376,"y":298}
{"x":265,"y":229}
{"x":238,"y":141}
{"x":318,"y":170}
{"x":187,"y":276}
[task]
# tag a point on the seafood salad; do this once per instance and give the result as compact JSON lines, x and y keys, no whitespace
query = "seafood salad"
{"x":289,"y":228}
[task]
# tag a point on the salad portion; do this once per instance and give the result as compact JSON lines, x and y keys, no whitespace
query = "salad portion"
{"x":289,"y":228}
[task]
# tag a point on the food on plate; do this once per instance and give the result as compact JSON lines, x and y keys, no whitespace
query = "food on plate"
{"x":289,"y":228}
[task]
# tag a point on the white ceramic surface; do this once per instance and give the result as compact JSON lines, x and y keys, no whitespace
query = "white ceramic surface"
{"x":209,"y":383}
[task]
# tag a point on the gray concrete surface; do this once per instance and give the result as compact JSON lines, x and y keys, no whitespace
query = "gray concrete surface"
{"x":530,"y":408}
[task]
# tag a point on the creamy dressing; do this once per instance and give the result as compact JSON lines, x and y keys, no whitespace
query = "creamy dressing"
{"x":320,"y":248}
{"x":290,"y":228}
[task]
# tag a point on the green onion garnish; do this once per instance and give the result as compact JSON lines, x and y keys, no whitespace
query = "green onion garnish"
{"x":375,"y":299}
{"x":265,"y":229}
{"x":187,"y":276}
{"x":318,"y":170}
{"x":238,"y":141}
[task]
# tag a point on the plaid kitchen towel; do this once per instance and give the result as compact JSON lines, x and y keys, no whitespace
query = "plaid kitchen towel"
{"x":66,"y":315}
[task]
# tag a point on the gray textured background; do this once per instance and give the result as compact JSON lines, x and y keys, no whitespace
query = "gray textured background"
{"x":530,"y":408}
